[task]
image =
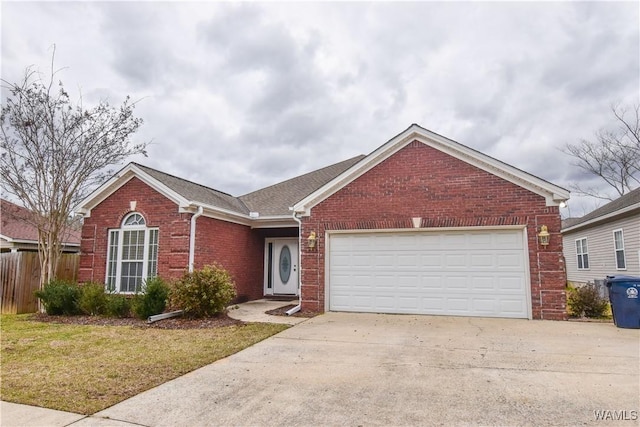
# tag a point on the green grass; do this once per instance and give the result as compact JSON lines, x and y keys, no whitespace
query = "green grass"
{"x":85,"y":369}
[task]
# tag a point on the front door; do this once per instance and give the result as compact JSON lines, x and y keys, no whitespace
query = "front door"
{"x":282,"y":263}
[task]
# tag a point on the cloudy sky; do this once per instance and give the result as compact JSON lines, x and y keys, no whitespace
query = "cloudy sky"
{"x":238,"y":96}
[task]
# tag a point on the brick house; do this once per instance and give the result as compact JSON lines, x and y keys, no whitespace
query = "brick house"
{"x":421,"y":225}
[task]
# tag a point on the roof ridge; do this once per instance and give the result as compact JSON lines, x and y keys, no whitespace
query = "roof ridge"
{"x":183,"y":179}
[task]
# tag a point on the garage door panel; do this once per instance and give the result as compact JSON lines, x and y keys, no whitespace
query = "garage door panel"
{"x":466,"y":273}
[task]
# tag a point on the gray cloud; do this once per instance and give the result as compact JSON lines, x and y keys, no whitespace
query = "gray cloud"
{"x":241,"y":95}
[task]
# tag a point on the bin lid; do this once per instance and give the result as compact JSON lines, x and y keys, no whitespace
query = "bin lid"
{"x":613,"y":279}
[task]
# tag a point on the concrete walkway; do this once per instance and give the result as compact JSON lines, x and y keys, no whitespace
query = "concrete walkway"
{"x":255,"y":311}
{"x":14,"y":415}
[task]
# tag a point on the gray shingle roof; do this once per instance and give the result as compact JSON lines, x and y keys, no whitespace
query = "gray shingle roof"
{"x":196,"y":192}
{"x":629,"y":199}
{"x":276,"y":199}
{"x":273,"y":200}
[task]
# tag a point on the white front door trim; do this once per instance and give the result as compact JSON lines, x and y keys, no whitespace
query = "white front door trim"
{"x":273,"y":283}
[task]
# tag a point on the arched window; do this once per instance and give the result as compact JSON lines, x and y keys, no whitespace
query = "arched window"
{"x":133,"y":254}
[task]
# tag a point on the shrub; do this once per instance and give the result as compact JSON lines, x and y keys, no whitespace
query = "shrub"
{"x":59,"y":297}
{"x":585,"y":301}
{"x":117,"y":306}
{"x":204,"y":292}
{"x":152,"y":300}
{"x":93,"y":300}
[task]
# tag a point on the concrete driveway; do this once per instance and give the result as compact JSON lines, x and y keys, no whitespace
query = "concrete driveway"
{"x":367,"y":369}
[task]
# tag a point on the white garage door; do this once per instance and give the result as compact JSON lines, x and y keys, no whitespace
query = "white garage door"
{"x":463,"y":273}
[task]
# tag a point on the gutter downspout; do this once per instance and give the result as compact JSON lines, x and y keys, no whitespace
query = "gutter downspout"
{"x":192,"y":238}
{"x":297,"y":307}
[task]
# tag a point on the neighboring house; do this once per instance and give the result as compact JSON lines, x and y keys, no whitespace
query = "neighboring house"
{"x":18,"y":233}
{"x":421,"y":225}
{"x":605,"y":242}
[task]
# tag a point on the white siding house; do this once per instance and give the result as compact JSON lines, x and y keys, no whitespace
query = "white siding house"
{"x":605,"y":242}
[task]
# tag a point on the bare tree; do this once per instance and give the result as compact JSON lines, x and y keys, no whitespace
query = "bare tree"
{"x":614,"y":155}
{"x":54,"y":151}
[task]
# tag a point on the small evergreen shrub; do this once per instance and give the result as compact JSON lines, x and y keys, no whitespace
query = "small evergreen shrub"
{"x":117,"y":306}
{"x":93,"y":300}
{"x":152,"y":300}
{"x":204,"y":292}
{"x":585,"y":301}
{"x":59,"y":297}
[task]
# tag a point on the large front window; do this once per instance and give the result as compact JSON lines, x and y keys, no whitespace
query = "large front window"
{"x":132,"y":255}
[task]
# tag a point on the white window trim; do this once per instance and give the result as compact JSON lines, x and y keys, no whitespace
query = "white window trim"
{"x":616,"y":250}
{"x":578,"y":255}
{"x":145,"y":257}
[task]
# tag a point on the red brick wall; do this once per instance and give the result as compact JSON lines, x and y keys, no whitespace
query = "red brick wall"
{"x":419,"y":181}
{"x":235,"y":247}
{"x":158,"y":211}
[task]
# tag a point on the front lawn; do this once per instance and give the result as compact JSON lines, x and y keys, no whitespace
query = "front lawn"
{"x":87,"y":368}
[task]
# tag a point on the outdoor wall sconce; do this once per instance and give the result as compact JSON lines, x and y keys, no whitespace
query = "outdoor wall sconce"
{"x":311,"y":240}
{"x":543,"y":236}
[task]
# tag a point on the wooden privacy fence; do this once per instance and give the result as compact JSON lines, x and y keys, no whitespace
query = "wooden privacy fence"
{"x":20,"y":278}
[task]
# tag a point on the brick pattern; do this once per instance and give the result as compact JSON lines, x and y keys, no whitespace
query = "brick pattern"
{"x":235,"y":247}
{"x":419,"y":181}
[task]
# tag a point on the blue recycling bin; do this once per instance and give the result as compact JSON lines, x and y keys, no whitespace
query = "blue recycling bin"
{"x":624,"y":295}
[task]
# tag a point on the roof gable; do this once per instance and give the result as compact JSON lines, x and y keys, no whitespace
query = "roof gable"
{"x":553,"y":194}
{"x":187,"y":195}
{"x":620,"y":206}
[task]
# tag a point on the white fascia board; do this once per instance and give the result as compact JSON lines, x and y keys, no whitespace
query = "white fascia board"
{"x":596,"y":220}
{"x":553,"y":194}
{"x":121,"y":178}
{"x":215,"y":212}
{"x":274,"y":221}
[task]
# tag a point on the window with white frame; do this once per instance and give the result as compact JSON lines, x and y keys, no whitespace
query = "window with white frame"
{"x":618,"y":245}
{"x":583,"y":254}
{"x":132,"y":255}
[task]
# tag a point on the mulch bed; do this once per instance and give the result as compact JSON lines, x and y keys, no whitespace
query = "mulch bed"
{"x":282,"y":311}
{"x":172,"y":323}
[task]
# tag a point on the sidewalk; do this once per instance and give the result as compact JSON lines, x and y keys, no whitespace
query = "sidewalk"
{"x":17,"y":415}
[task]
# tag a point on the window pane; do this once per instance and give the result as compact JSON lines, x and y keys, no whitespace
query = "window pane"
{"x":131,"y":277}
{"x":133,"y":245}
{"x":152,"y":266}
{"x":617,"y":238}
{"x":112,"y":261}
{"x":580,"y":265}
{"x":134,"y":219}
{"x":586,"y":260}
{"x":620,"y":261}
